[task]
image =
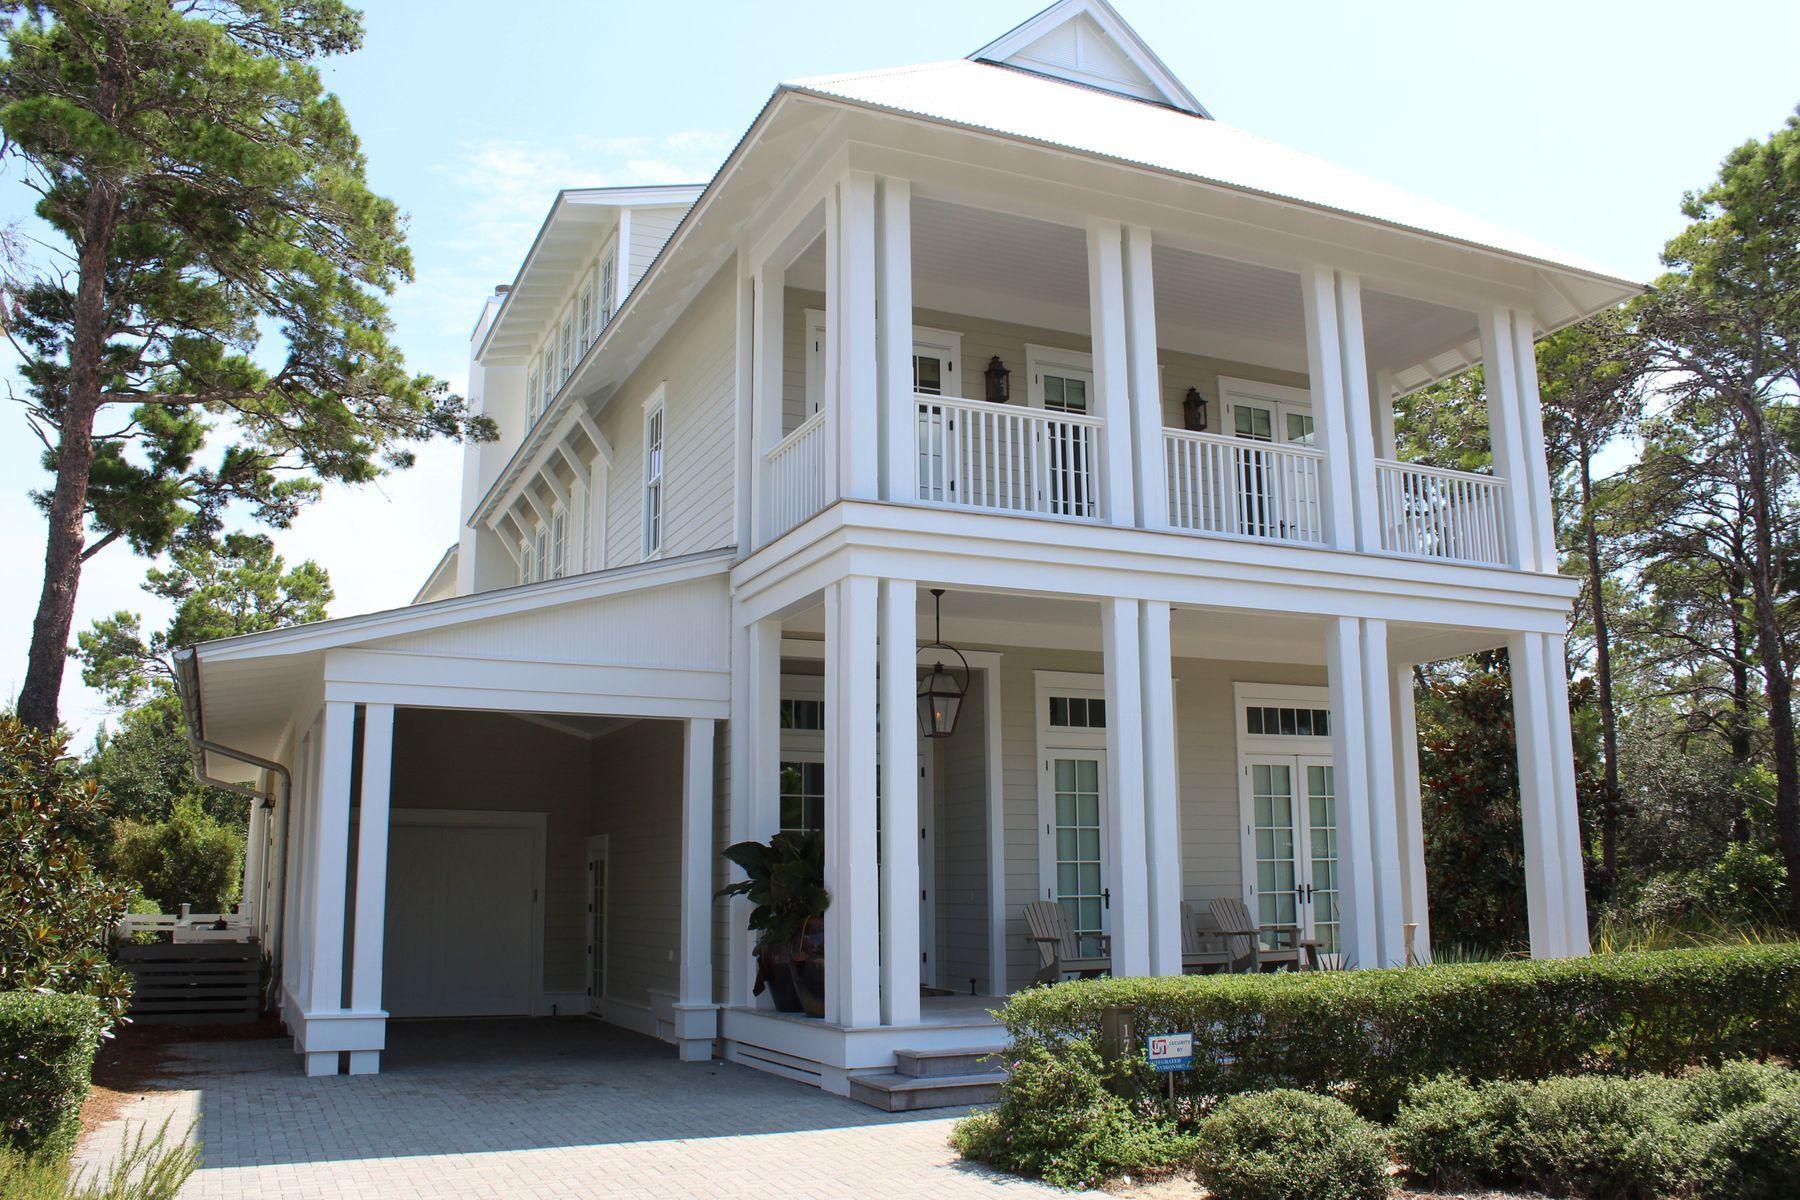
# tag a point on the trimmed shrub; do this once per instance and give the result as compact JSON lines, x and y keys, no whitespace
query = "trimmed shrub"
{"x":1057,"y":1120}
{"x":47,"y":1045}
{"x":188,"y":859}
{"x":1368,"y":1036}
{"x":1725,"y":1131}
{"x":1288,"y":1145}
{"x":1753,"y":1153}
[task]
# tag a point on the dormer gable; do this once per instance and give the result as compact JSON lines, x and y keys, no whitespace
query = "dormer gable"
{"x":1087,"y":42}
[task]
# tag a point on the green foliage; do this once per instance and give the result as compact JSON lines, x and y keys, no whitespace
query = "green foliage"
{"x":188,"y":859}
{"x":147,"y":1170}
{"x":55,"y":906}
{"x":1721,"y":1131}
{"x":1747,"y":886}
{"x":1445,"y":424}
{"x":47,"y":1044}
{"x":1057,"y":1120}
{"x":784,"y":880}
{"x":1367,"y":1036}
{"x":144,"y":767}
{"x":1753,"y":1153}
{"x":236,"y":586}
{"x":1289,"y":1145}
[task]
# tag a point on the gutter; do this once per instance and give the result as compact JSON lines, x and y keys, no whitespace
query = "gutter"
{"x":187,"y":688}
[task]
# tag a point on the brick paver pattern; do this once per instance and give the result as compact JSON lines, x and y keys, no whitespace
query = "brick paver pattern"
{"x":537,"y":1109}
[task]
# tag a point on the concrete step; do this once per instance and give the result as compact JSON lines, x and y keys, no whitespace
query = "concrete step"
{"x":908,"y":1093}
{"x":926,"y":1064}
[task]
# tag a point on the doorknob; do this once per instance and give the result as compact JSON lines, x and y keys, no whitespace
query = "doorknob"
{"x":1106,"y":896}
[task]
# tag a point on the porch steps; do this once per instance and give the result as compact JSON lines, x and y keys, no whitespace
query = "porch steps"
{"x":933,"y":1079}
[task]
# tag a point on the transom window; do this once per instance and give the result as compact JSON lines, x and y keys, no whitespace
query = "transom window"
{"x":804,"y":715}
{"x":1271,"y":721}
{"x":1077,"y":712}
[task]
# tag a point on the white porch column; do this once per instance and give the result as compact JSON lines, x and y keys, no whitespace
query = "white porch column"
{"x":1325,"y":378}
{"x":331,"y":847}
{"x":1126,"y":868}
{"x":294,"y":944}
{"x":1112,"y":375}
{"x":1531,"y":439}
{"x":1381,"y":397}
{"x":1162,"y":795}
{"x":893,"y":307}
{"x":371,"y":880}
{"x":852,"y":923}
{"x":1546,"y":905}
{"x":1149,"y":488}
{"x":1568,"y":818}
{"x":852,"y":326}
{"x":766,"y":381}
{"x":1359,"y":431}
{"x":744,"y":415}
{"x":755,"y":775}
{"x":1499,"y":366}
{"x":1359,"y":917}
{"x":899,"y":804}
{"x":1384,"y":835}
{"x":696,"y":1018}
{"x":1416,"y":909}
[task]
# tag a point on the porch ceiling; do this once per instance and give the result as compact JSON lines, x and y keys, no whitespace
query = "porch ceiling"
{"x":1017,"y":269}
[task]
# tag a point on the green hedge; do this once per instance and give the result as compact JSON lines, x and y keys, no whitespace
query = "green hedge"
{"x":1367,"y":1036}
{"x":47,"y":1044}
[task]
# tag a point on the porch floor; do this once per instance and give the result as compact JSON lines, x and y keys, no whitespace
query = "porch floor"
{"x":934,"y":1012}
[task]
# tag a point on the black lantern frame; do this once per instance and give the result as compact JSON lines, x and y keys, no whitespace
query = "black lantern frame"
{"x":999,"y":381}
{"x":1193,"y":411}
{"x":941,"y":696}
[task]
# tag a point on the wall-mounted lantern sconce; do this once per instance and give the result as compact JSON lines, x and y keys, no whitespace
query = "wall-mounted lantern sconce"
{"x":1193,"y":411}
{"x":998,"y":381}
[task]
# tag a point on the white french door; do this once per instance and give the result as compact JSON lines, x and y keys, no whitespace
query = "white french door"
{"x":1065,"y":389}
{"x":1277,"y":422}
{"x":1291,"y":802}
{"x":596,"y":914}
{"x":1073,"y":791}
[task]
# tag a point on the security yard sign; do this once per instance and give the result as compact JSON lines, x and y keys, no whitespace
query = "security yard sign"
{"x":1172,"y":1051}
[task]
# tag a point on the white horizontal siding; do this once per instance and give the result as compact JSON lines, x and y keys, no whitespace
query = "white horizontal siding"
{"x":650,"y":230}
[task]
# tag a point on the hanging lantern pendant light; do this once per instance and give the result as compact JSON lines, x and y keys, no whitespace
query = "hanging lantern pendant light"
{"x":940,"y":693}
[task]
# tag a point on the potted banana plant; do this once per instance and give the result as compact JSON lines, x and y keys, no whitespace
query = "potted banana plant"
{"x":784,"y":880}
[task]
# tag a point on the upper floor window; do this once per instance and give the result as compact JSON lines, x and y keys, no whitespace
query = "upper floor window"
{"x":547,"y":368}
{"x":585,"y":314}
{"x":559,"y":544}
{"x":607,"y":295}
{"x":541,"y":553}
{"x":653,"y":477}
{"x":806,"y":715}
{"x":568,"y":344}
{"x":532,"y":380}
{"x":524,"y":562}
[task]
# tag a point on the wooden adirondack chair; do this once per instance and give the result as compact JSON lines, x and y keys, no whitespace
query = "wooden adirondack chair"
{"x":1059,"y":952}
{"x":1244,"y":940}
{"x":1202,"y":945}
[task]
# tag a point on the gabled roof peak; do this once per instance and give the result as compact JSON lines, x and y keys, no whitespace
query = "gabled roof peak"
{"x":1088,"y":42}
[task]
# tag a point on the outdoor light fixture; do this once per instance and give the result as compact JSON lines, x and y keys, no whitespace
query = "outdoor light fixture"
{"x":940,"y":695}
{"x":997,"y":377}
{"x":1193,"y":411}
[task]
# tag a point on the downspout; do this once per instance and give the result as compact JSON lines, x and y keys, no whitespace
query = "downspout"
{"x":187,"y":687}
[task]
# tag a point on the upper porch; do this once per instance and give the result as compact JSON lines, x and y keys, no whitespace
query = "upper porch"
{"x":1113,"y":364}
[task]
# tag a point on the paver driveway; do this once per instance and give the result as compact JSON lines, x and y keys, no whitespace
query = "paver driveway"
{"x":539,"y":1109}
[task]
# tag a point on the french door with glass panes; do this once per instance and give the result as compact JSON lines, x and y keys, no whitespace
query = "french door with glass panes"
{"x":1290,"y":802}
{"x":1074,"y":795}
{"x":1067,"y":489}
{"x":1265,"y":510}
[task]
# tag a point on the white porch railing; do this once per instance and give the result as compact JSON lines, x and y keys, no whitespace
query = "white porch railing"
{"x":795,"y":477}
{"x":1432,"y":513}
{"x":1243,"y":488}
{"x":188,"y":926}
{"x":1008,"y":458}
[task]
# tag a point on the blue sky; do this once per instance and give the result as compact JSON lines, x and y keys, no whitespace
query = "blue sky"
{"x":1580,"y":123}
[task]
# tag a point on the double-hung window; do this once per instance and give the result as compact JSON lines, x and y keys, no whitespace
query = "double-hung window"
{"x":653,"y":476}
{"x":541,"y":555}
{"x":548,"y":369}
{"x":568,"y":344}
{"x":559,"y":544}
{"x":607,"y":275}
{"x":585,"y":314}
{"x":525,"y":564}
{"x":531,"y":396}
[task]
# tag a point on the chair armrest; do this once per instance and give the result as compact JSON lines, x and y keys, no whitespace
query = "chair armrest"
{"x":1043,"y":939}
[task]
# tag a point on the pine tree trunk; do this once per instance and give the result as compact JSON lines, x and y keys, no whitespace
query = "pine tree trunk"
{"x":1603,"y":679}
{"x":1739,"y":739}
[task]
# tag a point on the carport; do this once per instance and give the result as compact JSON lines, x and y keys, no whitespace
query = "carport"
{"x":498,"y":805}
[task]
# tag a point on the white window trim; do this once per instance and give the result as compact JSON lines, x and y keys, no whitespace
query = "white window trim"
{"x":941,"y":343}
{"x":1273,"y":395}
{"x":1039,"y":358}
{"x":655,"y":407}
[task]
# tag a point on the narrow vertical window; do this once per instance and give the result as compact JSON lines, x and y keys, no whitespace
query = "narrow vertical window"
{"x":549,"y":376}
{"x":559,"y":544}
{"x":653,"y":480}
{"x":542,"y":553}
{"x":607,"y":299}
{"x":525,"y":563}
{"x":586,"y":315}
{"x":531,"y":397}
{"x":568,"y":345}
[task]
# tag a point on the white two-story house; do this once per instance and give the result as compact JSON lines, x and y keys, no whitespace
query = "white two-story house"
{"x":1027,"y":328}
